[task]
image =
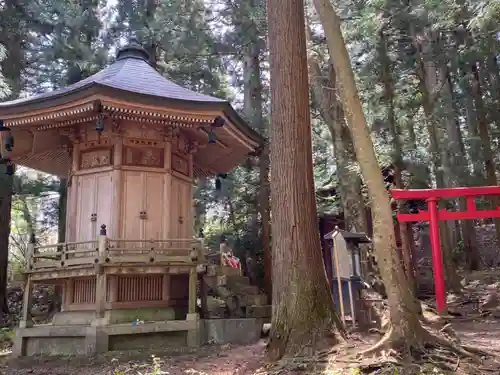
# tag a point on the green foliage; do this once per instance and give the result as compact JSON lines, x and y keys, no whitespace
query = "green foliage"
{"x":4,"y":87}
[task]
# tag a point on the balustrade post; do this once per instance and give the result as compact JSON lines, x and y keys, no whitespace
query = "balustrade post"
{"x":192,"y":290}
{"x":100,"y":293}
{"x":30,"y":251}
{"x":28,"y":288}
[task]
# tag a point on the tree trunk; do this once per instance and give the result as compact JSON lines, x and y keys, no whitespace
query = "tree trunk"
{"x":265,"y":218}
{"x":427,"y":73}
{"x":303,"y":308}
{"x":397,"y":159}
{"x":253,"y":107}
{"x":405,"y":324}
{"x":351,"y":197}
{"x":6,"y":183}
{"x":325,"y":96}
{"x":61,"y":213}
{"x":484,"y":135}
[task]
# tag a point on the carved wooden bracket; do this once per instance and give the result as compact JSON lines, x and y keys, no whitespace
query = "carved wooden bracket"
{"x":73,"y":134}
{"x":190,"y":147}
{"x":170,"y":133}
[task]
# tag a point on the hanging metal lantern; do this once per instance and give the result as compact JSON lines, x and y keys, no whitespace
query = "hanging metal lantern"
{"x":10,"y":168}
{"x":9,"y":142}
{"x":100,"y":124}
{"x":212,"y":138}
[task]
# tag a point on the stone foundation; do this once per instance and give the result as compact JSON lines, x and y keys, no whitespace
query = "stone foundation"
{"x":86,"y":339}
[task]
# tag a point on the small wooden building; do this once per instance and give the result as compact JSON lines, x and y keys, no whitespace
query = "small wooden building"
{"x":131,"y":143}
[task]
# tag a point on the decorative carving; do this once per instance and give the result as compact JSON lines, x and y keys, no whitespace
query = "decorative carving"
{"x":146,"y":156}
{"x":182,"y":144}
{"x":95,"y":158}
{"x":171,"y":133}
{"x":190,"y":147}
{"x":116,"y":127}
{"x":97,"y":143}
{"x":72,"y":134}
{"x":180,"y":164}
{"x":142,"y":142}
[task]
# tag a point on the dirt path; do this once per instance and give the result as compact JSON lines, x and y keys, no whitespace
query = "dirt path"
{"x":222,"y":360}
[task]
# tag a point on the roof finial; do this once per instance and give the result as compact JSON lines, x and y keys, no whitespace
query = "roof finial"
{"x":133,"y":50}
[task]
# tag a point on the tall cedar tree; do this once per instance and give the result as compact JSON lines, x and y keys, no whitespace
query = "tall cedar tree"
{"x":303,"y":308}
{"x":406,"y":332}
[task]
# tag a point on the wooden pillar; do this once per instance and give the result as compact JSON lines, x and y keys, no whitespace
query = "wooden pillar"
{"x":73,"y":192}
{"x":192,"y":290}
{"x":113,"y":289}
{"x":166,"y":288}
{"x":117,"y":191}
{"x":28,"y":288}
{"x":437,"y":260}
{"x":26,"y":317}
{"x":100,"y":295}
{"x":167,"y":222}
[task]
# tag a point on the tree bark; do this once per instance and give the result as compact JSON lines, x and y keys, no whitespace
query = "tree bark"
{"x":397,"y":159}
{"x":303,"y":308}
{"x":6,"y":183}
{"x":253,"y":107}
{"x":427,"y":73}
{"x":405,"y":324}
{"x":61,"y":212}
{"x":325,"y":96}
{"x":484,"y":135}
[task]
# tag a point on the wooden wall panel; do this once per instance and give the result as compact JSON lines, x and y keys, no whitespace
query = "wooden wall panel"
{"x":132,"y":205}
{"x":85,"y":208}
{"x":154,"y":206}
{"x":84,"y":290}
{"x":140,"y":288}
{"x":103,"y":202}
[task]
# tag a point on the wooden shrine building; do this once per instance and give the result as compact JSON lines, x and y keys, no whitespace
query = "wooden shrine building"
{"x":130,"y":143}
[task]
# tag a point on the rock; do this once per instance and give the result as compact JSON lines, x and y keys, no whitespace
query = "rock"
{"x":496,"y":313}
{"x":490,"y":302}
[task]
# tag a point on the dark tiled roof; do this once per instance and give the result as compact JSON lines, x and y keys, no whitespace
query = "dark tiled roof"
{"x":130,"y":72}
{"x":349,"y":236}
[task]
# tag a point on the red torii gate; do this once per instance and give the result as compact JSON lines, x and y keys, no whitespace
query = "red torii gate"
{"x":433,"y":215}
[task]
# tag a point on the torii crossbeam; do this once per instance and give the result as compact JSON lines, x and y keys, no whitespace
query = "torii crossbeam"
{"x":433,"y":215}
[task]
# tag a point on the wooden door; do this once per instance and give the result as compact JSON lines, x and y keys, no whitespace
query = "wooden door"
{"x":154,"y":203}
{"x":103,"y":202}
{"x":132,"y":205}
{"x":85,"y":209}
{"x":181,"y":209}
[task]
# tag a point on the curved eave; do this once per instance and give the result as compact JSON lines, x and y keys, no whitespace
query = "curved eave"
{"x":13,"y":109}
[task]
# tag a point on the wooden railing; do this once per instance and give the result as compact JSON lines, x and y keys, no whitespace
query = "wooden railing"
{"x":108,"y":251}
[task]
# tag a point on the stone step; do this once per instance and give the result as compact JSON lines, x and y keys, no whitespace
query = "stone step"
{"x":264,"y":311}
{"x":215,"y":282}
{"x":224,"y":280}
{"x":216,"y":270}
{"x":255,"y":300}
{"x":229,"y":271}
{"x":232,"y":280}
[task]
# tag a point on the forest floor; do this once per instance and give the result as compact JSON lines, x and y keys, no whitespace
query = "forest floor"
{"x":475,"y":321}
{"x":247,"y":360}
